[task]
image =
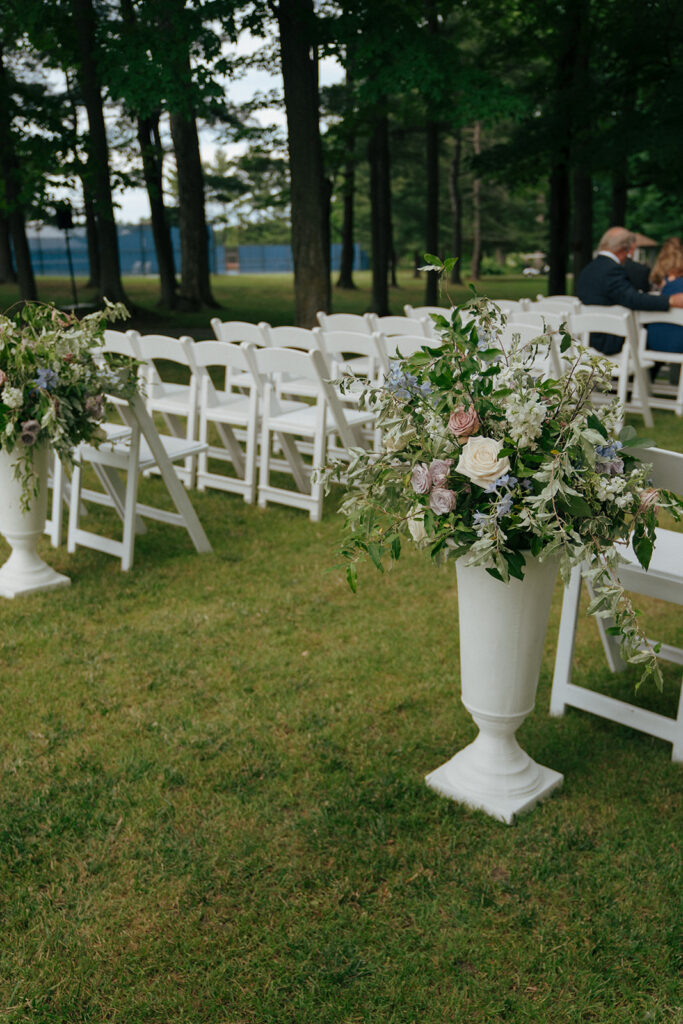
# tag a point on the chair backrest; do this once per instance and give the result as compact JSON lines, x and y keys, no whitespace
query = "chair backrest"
{"x":340,"y":346}
{"x":542,"y":320}
{"x":218,"y":353}
{"x":355,"y":322}
{"x":563,"y":301}
{"x":123,"y":343}
{"x":615,"y":320}
{"x":407,"y":345}
{"x":509,"y":306}
{"x":291,"y":337}
{"x":667,"y":469}
{"x":273,"y":362}
{"x":419,"y":312}
{"x":645,"y":318}
{"x":172,"y":350}
{"x":392,"y":326}
{"x":239,"y":331}
{"x":526,"y":332}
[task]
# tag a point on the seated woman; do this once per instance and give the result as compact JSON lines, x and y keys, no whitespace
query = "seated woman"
{"x":667,"y":275}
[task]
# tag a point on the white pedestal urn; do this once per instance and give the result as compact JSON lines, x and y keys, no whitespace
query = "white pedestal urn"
{"x":25,"y":571}
{"x":502,"y":630}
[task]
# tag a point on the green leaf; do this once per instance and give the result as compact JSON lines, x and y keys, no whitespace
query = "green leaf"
{"x":376,"y":551}
{"x":351,"y":576}
{"x":643,"y":549}
{"x":597,"y":424}
{"x":433,"y":260}
{"x":566,"y":342}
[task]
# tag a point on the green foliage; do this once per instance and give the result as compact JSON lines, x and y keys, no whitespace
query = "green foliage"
{"x":53,"y":382}
{"x":486,"y":455}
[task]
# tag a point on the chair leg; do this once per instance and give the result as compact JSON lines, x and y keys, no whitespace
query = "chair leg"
{"x":565,"y":643}
{"x":264,"y":465}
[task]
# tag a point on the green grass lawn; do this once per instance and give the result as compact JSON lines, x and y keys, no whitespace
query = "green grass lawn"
{"x":270,"y":297}
{"x":212,"y":806}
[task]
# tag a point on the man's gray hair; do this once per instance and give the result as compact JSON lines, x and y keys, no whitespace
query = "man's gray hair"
{"x":616,"y":239}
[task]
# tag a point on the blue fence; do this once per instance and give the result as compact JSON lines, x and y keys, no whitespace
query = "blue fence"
{"x":137,"y":254}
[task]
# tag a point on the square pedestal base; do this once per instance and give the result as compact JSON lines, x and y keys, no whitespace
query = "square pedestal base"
{"x":502,"y":806}
{"x":11,"y":586}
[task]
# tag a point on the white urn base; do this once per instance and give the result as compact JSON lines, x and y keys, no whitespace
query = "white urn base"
{"x":502,"y":630}
{"x":25,"y":572}
{"x":493,"y":774}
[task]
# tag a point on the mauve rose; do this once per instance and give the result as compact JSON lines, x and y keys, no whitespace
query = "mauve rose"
{"x":439,"y":470}
{"x":421,"y":478}
{"x":442,"y":501}
{"x":648,"y":499}
{"x":479,"y":461}
{"x":463,"y":422}
{"x":29,"y":432}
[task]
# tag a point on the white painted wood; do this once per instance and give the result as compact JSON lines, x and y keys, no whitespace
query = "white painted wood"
{"x":663,"y":580}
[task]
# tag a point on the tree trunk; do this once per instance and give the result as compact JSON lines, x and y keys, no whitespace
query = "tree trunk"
{"x":10,"y":176}
{"x":310,"y":192}
{"x":7,"y":271}
{"x":91,"y":236}
{"x":456,"y":208}
{"x":380,"y":211}
{"x":476,"y":208}
{"x":345,"y":279}
{"x":559,"y":227}
{"x":582,"y":240}
{"x":195,"y":284}
{"x":432,"y":212}
{"x":619,"y":197}
{"x":152,"y":167}
{"x":110,"y":284}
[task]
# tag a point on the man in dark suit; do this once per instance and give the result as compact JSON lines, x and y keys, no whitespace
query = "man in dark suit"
{"x":604,"y":282}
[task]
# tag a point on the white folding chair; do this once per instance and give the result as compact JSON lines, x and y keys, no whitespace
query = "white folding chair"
{"x":117,"y":465}
{"x":235,"y":332}
{"x":509,"y":306}
{"x":357,"y":323}
{"x":664,"y":580}
{"x":556,"y":303}
{"x":348,"y":352}
{"x":665,"y":396}
{"x":548,"y":362}
{"x":626,"y":364}
{"x":232,"y":414}
{"x":396,"y":326}
{"x":420,"y":312}
{"x":281,"y":370}
{"x":175,"y":400}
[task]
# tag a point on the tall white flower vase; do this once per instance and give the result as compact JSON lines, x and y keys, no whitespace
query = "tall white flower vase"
{"x":25,"y":571}
{"x":502,"y":630}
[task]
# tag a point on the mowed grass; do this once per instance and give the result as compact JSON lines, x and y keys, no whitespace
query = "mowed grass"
{"x":270,"y":297}
{"x":212,"y":806}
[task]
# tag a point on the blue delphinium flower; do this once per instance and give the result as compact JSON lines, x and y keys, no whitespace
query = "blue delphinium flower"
{"x":607,"y":460}
{"x":403,"y":384}
{"x":46,"y":378}
{"x":504,"y":506}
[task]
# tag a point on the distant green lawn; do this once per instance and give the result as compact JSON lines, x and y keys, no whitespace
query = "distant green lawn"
{"x":212,"y":806}
{"x":254,"y":297}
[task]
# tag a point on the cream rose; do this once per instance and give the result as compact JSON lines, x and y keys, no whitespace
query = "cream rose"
{"x":479,"y":461}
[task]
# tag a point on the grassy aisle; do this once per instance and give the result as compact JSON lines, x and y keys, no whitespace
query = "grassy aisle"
{"x":212,"y":807}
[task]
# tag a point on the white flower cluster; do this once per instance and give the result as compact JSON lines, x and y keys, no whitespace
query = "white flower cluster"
{"x":525,"y":417}
{"x":614,"y":488}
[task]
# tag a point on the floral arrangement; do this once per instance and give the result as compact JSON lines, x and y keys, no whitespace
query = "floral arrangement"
{"x":486,"y":456}
{"x":53,"y":383}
